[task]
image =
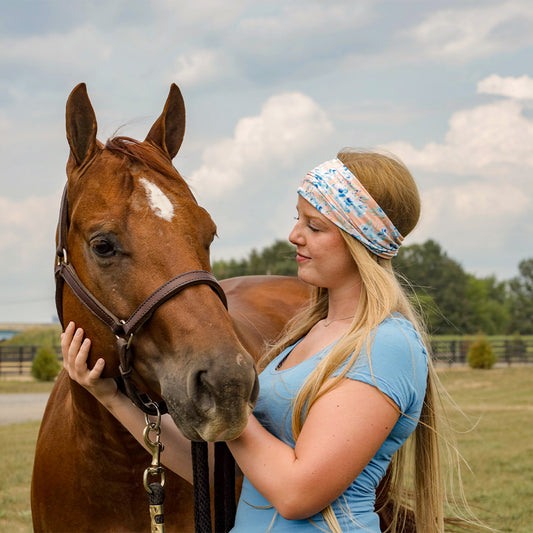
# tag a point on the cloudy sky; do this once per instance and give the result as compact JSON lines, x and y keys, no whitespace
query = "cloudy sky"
{"x":272,"y":89}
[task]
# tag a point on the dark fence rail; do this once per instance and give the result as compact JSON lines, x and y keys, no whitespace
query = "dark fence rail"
{"x":508,"y":351}
{"x":17,"y":360}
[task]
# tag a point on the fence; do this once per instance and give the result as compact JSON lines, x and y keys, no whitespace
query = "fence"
{"x":17,"y":360}
{"x":508,"y":351}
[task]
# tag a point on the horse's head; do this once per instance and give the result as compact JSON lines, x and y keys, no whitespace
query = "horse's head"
{"x":133,"y":225}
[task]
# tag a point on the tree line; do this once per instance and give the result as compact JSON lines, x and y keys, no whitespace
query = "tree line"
{"x":452,"y":300}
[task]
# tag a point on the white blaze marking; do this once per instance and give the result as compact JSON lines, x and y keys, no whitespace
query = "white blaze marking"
{"x":158,"y":201}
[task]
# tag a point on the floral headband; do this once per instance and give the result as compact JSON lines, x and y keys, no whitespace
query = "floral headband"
{"x":339,"y":196}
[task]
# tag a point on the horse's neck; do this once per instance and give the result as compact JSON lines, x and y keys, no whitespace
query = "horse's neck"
{"x":93,"y":419}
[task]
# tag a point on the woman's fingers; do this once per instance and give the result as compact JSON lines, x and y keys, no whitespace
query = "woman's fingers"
{"x":76,"y":351}
{"x":66,"y":339}
{"x":75,"y":345}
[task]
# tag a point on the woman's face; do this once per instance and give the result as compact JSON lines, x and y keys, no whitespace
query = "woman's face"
{"x":322,"y":255}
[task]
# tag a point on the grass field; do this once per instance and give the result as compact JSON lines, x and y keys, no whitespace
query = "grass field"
{"x":495,"y":437}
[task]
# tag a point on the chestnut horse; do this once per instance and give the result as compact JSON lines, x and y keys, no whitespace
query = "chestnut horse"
{"x":133,"y":224}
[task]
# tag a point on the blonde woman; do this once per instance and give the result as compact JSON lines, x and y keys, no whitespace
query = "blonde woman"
{"x":347,"y":384}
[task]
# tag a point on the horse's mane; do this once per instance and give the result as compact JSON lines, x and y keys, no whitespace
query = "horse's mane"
{"x":144,"y":153}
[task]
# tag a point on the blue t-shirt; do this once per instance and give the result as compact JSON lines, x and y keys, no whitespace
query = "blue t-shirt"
{"x":399,"y":367}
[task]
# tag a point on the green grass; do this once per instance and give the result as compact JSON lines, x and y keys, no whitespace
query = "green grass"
{"x":20,"y":386}
{"x":496,"y":439}
{"x":17,"y":443}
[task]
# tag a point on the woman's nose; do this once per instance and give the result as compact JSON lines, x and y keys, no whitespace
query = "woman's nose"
{"x":295,"y":236}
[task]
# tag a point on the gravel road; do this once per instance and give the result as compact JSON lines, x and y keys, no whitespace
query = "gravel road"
{"x":16,"y":408}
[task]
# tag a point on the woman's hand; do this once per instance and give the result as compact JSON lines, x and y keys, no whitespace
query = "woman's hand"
{"x":75,"y":353}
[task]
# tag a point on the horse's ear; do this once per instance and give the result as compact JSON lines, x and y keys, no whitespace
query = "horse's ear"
{"x":168,"y":130}
{"x":81,"y":125}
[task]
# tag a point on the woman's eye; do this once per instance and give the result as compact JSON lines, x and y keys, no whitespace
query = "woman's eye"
{"x":103,"y":248}
{"x":312,"y":228}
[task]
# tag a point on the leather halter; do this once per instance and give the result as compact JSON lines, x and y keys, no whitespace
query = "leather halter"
{"x":123,"y":329}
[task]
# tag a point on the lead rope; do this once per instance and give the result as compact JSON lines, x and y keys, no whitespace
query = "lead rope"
{"x":224,"y":488}
{"x":156,"y":489}
{"x":202,"y":497}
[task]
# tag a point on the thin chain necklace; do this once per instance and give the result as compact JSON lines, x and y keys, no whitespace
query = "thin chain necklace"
{"x":327,"y":324}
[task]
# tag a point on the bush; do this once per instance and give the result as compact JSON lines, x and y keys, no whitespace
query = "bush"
{"x":45,"y":366}
{"x":481,"y":354}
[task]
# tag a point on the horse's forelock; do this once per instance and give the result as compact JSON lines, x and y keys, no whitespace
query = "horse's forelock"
{"x":144,"y":153}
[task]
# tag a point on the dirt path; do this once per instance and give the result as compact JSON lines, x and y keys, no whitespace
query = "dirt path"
{"x":16,"y":408}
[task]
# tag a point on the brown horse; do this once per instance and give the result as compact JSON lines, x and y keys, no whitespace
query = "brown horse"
{"x":133,"y":224}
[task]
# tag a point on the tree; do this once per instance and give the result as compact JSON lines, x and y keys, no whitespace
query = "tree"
{"x":278,"y":259}
{"x":430,"y":272}
{"x":487,"y":309}
{"x":521,"y":299}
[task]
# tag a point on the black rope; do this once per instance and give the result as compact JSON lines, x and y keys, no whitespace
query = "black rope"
{"x":202,"y":499}
{"x":224,"y":488}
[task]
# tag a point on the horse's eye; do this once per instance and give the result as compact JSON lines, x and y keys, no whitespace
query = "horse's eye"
{"x":102,"y":248}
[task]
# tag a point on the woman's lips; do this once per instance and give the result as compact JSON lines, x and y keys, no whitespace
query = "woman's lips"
{"x":300,"y":258}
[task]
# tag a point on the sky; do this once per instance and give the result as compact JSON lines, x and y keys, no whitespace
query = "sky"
{"x":272,"y":89}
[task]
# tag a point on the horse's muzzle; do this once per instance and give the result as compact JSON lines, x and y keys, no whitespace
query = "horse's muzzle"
{"x":216,"y":401}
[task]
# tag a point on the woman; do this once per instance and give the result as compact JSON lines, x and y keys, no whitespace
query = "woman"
{"x":348,"y":382}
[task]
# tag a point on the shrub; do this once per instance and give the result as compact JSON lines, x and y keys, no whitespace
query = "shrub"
{"x":45,"y":366}
{"x":481,"y":354}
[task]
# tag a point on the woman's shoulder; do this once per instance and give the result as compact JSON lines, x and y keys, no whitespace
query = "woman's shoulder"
{"x":396,"y":349}
{"x":400,"y":332}
{"x":397,"y":363}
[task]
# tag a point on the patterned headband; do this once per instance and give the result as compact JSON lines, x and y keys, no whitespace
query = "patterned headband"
{"x":339,"y":196}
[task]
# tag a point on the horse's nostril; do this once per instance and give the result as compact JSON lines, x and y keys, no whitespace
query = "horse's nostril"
{"x":200,"y":391}
{"x":210,"y":392}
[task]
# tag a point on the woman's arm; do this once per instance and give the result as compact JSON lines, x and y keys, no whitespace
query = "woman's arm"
{"x":343,"y":431}
{"x":176,"y":455}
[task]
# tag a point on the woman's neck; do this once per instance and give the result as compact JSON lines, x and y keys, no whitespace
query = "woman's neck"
{"x":343,"y":301}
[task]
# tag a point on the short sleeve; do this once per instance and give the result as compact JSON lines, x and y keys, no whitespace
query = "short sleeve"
{"x":397,"y":365}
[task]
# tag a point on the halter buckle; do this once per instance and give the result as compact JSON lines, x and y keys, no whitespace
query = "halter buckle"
{"x":130,"y":338}
{"x":62,"y":257}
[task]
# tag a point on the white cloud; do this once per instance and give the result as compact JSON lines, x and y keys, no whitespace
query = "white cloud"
{"x":520,"y":88}
{"x":81,"y":46}
{"x":492,"y":139}
{"x":27,"y":230}
{"x":479,"y":197}
{"x":478,"y":220}
{"x":289,"y":124}
{"x":318,"y":18}
{"x":199,"y":66}
{"x":210,"y":15}
{"x":466,"y":33}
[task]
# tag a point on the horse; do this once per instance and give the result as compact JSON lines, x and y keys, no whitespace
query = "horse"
{"x":130,"y":224}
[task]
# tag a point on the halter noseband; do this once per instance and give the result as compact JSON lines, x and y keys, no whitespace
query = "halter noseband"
{"x":123,"y":329}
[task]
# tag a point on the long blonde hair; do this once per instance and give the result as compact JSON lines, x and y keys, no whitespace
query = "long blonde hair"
{"x":392,"y":186}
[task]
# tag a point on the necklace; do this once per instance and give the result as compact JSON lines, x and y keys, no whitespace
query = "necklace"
{"x":327,"y":324}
